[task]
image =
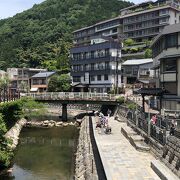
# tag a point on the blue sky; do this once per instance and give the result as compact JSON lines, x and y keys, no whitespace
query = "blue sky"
{"x":9,"y":8}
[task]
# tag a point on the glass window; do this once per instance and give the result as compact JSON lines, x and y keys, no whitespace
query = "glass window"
{"x":99,"y":77}
{"x":92,"y":66}
{"x":171,"y":40}
{"x":169,"y":65}
{"x":92,"y":78}
{"x":106,"y":78}
{"x":77,"y":79}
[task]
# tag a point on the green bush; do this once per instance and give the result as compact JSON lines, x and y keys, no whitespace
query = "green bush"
{"x":128,"y":42}
{"x":15,"y":110}
{"x":148,"y":53}
{"x":5,"y":152}
{"x":131,"y":106}
{"x":120,"y":99}
{"x":10,"y":112}
{"x":134,"y":50}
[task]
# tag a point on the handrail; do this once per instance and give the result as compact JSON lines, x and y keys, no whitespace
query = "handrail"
{"x":71,"y":96}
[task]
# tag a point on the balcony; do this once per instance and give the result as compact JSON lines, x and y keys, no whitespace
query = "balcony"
{"x":93,"y":60}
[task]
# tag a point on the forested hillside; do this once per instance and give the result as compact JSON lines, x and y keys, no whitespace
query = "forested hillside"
{"x":41,"y":36}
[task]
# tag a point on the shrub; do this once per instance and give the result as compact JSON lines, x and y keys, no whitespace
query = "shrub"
{"x":15,"y":110}
{"x":5,"y":152}
{"x":128,"y":42}
{"x":120,"y":99}
{"x":134,"y":50}
{"x":131,"y":106}
{"x":148,"y":53}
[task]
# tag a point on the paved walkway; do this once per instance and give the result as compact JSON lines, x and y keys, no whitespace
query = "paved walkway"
{"x":120,"y":159}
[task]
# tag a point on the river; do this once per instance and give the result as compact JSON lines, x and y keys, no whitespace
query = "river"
{"x":45,"y":154}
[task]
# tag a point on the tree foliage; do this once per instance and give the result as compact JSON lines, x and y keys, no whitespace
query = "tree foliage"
{"x":43,"y":34}
{"x":59,"y":83}
{"x":148,"y":53}
{"x":10,"y":112}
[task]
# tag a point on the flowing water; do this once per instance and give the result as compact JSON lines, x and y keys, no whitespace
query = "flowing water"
{"x":45,"y":154}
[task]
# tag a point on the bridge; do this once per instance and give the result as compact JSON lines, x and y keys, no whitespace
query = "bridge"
{"x":74,"y":98}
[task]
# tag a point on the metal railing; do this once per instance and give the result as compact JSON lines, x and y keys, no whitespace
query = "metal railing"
{"x":72,"y":96}
{"x":158,"y":131}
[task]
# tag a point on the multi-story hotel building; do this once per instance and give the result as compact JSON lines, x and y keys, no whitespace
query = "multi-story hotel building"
{"x":146,"y":20}
{"x":140,"y":22}
{"x":95,"y":67}
{"x":111,"y":28}
{"x":166,"y":56}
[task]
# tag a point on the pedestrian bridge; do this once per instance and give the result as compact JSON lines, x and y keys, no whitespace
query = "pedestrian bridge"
{"x":74,"y":98}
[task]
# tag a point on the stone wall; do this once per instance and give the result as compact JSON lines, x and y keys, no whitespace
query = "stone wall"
{"x":171,"y":154}
{"x":13,"y":133}
{"x":85,"y":168}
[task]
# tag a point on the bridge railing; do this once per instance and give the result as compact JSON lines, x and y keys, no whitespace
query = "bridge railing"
{"x":72,"y":96}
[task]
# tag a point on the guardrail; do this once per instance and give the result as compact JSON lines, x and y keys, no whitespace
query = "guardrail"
{"x":159,"y":131}
{"x":72,"y":96}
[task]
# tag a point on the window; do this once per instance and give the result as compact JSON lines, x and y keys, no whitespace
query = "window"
{"x":171,"y":40}
{"x":114,"y":30}
{"x":106,"y":52}
{"x":42,"y":81}
{"x":35,"y":81}
{"x":106,"y":78}
{"x":99,"y":77}
{"x":107,"y":65}
{"x":77,"y":79}
{"x":135,"y":71}
{"x":92,"y":66}
{"x":92,"y":54}
{"x":169,"y":65}
{"x":86,"y":67}
{"x":92,"y":78}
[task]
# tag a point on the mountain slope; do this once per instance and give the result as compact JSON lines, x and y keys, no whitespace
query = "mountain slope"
{"x":42,"y":35}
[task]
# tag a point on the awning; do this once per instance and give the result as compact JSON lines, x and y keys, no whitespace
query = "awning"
{"x":144,"y":81}
{"x":75,"y":84}
{"x":150,"y":91}
{"x":34,"y":89}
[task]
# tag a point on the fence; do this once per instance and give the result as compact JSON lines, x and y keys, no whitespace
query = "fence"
{"x":158,"y":132}
{"x":72,"y":96}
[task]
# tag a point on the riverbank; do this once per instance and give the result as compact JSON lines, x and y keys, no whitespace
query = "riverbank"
{"x":14,"y":132}
{"x":85,"y":168}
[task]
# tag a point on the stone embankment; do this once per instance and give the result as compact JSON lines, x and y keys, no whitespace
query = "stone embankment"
{"x":49,"y":124}
{"x":13,"y":133}
{"x":85,"y":168}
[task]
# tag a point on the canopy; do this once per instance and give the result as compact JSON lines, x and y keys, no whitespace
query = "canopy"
{"x":34,"y":89}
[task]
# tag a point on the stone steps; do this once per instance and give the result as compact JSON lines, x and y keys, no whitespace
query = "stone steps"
{"x":163,"y":171}
{"x":136,"y":140}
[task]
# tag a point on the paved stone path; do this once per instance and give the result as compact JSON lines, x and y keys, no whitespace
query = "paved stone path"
{"x":120,"y":159}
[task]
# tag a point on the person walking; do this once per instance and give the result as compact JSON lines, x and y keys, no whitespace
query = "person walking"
{"x":109,"y":113}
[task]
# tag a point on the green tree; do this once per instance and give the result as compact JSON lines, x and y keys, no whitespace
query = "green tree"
{"x":37,"y":35}
{"x":59,"y":83}
{"x":148,"y":53}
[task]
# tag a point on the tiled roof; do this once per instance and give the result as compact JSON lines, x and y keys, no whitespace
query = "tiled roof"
{"x":150,"y":91}
{"x":168,"y":30}
{"x":137,"y":61}
{"x":43,"y":74}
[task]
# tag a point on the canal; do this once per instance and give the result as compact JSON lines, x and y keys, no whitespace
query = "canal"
{"x":45,"y":154}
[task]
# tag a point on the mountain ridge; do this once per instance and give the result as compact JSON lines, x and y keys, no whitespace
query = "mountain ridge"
{"x":42,"y":35}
